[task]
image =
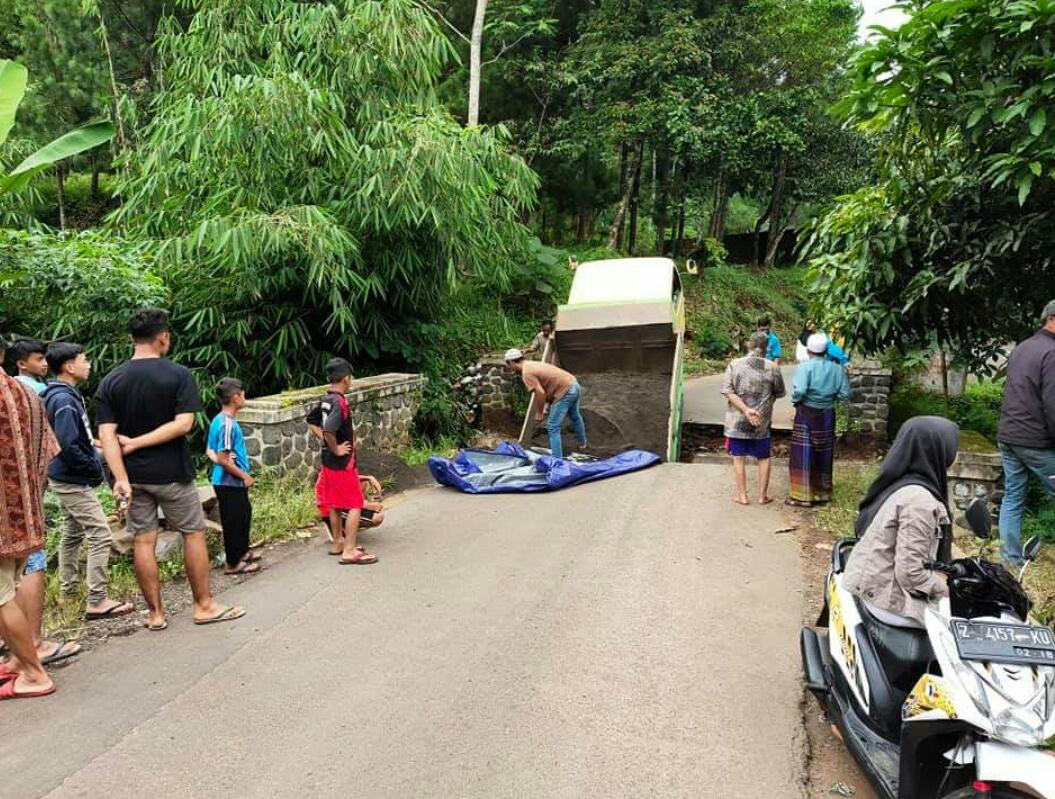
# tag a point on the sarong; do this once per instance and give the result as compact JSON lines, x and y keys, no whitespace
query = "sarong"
{"x":812,"y":454}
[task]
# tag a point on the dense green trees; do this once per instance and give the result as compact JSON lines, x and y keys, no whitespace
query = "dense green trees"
{"x":953,"y":246}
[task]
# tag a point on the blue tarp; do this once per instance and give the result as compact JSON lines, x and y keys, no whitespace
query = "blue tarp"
{"x":510,"y":469}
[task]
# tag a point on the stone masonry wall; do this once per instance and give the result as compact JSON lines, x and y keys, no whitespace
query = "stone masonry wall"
{"x":977,"y":474}
{"x":277,"y":435}
{"x":497,"y":384}
{"x":869,"y":409}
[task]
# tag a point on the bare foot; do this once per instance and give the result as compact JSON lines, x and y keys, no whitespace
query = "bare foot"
{"x":156,"y":621}
{"x":742,"y":500}
{"x":764,"y":500}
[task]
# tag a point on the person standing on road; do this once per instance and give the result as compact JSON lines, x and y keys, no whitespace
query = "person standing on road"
{"x":26,"y":447}
{"x":553,"y":387}
{"x":773,"y":351}
{"x":146,"y":408}
{"x":74,"y":477}
{"x":1026,"y":433}
{"x":752,"y":384}
{"x":818,"y":384}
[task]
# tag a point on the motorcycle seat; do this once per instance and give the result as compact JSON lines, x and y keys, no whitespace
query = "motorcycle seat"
{"x":904,"y":652}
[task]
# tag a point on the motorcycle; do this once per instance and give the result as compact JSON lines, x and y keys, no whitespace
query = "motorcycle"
{"x":958,"y":710}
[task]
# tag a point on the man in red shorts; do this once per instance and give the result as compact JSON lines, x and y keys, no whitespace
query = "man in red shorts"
{"x":338,"y":487}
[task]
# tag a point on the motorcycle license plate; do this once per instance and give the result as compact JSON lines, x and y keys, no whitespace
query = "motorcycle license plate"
{"x":1004,"y":643}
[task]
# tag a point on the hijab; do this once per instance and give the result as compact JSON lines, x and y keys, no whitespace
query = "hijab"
{"x":807,"y":331}
{"x":921,"y":455}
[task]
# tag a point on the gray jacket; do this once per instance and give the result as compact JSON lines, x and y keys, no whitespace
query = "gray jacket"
{"x":886,"y":566}
{"x":1027,"y":416}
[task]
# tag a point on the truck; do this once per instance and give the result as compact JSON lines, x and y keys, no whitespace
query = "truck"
{"x":622,"y":334}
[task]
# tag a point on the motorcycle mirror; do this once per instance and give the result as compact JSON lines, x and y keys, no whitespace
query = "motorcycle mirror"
{"x":978,"y":518}
{"x":1031,"y":548}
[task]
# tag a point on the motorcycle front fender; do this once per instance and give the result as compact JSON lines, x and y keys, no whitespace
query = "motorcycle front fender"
{"x":999,"y":762}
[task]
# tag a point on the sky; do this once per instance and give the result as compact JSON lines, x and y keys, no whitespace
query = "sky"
{"x":877,"y":12}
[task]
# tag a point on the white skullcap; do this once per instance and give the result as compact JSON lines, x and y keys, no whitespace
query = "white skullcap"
{"x":513,"y":355}
{"x":817,"y":344}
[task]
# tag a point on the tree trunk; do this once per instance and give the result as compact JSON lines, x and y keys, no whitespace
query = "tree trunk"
{"x":60,"y":178}
{"x":95,"y":176}
{"x":475,"y":43}
{"x":635,"y":202}
{"x":716,"y":228}
{"x":776,"y":211}
{"x":679,"y":227}
{"x":660,"y":204}
{"x":616,"y":235}
{"x":774,"y":242}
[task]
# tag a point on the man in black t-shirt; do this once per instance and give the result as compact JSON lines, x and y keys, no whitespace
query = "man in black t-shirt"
{"x":145,"y":409}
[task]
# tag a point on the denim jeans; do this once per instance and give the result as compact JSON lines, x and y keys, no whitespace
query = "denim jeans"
{"x":1018,"y":463}
{"x":568,"y":405}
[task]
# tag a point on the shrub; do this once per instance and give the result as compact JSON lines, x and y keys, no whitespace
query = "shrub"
{"x":978,"y":409}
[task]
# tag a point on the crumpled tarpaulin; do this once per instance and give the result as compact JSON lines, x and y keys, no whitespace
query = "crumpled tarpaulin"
{"x":510,"y":469}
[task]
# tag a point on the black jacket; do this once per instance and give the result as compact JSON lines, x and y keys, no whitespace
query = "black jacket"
{"x":1027,"y":417}
{"x":78,"y":462}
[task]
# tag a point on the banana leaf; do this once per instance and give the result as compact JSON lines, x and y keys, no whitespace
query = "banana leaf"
{"x":12,"y":87}
{"x":76,"y":141}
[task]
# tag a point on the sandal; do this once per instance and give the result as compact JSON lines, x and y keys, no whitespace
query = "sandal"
{"x":115,"y":610}
{"x":243,"y":568}
{"x":7,"y":690}
{"x":58,"y":655}
{"x":227,"y":613}
{"x":363,"y":559}
{"x":156,"y":628}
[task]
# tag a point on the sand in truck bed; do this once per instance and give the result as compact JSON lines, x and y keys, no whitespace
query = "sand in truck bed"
{"x":622,"y":410}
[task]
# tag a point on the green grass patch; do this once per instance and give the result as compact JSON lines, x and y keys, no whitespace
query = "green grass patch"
{"x":850,"y":481}
{"x":723,"y":304}
{"x":419,"y":451}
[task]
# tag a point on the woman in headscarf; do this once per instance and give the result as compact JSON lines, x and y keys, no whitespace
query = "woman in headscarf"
{"x":818,"y":384}
{"x":834,"y":353}
{"x":901,"y":521}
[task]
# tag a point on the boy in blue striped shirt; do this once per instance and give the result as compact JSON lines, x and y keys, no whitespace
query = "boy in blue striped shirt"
{"x":231,"y":479}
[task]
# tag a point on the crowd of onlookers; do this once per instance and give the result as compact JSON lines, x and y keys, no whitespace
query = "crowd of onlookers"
{"x":145,"y":410}
{"x":1026,"y":433}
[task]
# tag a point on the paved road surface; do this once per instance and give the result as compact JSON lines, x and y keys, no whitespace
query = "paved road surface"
{"x":704,"y":403}
{"x":634,"y":637}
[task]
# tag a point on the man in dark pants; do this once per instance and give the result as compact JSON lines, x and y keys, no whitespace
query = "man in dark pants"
{"x":1027,"y":429}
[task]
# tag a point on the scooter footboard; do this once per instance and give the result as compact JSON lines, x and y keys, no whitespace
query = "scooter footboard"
{"x":998,"y":762}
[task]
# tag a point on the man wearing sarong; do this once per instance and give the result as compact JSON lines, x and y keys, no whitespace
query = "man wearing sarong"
{"x":27,"y":446}
{"x":817,"y":385}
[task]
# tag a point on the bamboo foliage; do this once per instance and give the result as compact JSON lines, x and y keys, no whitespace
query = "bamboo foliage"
{"x":307,"y":186}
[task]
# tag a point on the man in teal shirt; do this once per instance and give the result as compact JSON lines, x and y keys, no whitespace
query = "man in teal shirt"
{"x":773,"y":351}
{"x":817,"y":385}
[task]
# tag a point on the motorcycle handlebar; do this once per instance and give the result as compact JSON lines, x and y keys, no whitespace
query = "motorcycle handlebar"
{"x":951,"y":569}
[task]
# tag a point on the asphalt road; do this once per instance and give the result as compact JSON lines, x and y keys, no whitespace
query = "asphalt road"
{"x":629,"y":638}
{"x":704,"y":403}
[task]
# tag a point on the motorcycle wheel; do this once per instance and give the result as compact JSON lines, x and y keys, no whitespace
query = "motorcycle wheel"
{"x":998,"y":792}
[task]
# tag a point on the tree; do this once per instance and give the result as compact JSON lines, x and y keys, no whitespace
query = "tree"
{"x":315,"y":200}
{"x":961,"y":218}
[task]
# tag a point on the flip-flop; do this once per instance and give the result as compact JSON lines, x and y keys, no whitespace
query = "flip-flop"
{"x":6,"y":673}
{"x":367,"y":560}
{"x":156,"y":628}
{"x":227,"y":613}
{"x":765,"y":501}
{"x":7,"y":691}
{"x":245,"y":568}
{"x":120,"y":609}
{"x":339,"y":553}
{"x":252,"y":556}
{"x":741,"y":502}
{"x":58,"y":655}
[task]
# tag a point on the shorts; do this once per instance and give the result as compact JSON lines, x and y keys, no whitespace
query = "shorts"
{"x":10,"y":575}
{"x":339,"y":489}
{"x":179,"y":502}
{"x":760,"y":448}
{"x":37,"y":562}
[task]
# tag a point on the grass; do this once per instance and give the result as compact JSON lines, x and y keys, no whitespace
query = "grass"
{"x":418,"y":452}
{"x":851,"y":481}
{"x":723,"y":303}
{"x":282,"y":505}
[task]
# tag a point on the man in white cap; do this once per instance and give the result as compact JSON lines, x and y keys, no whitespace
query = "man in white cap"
{"x":1027,"y":429}
{"x":818,"y":384}
{"x":555,"y":388}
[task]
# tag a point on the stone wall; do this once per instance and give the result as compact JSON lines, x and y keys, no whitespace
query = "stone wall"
{"x":497,"y":384}
{"x":977,"y":473}
{"x":869,"y":408}
{"x":277,"y":435}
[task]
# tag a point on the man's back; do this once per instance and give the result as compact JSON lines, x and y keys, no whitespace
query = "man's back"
{"x":1027,"y":415}
{"x":553,"y":380}
{"x":140,"y":396}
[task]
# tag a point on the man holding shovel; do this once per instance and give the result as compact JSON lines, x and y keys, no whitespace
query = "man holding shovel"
{"x":555,"y":388}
